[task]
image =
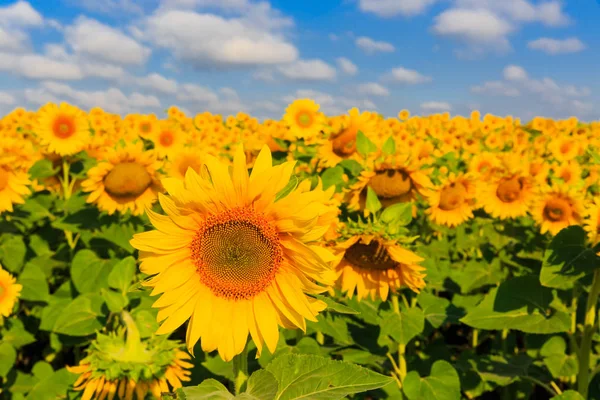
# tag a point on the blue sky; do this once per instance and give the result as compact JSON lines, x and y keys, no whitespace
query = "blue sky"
{"x":517,"y":57}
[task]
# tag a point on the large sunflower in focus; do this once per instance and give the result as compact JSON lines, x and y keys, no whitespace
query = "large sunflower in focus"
{"x":506,"y":196}
{"x":64,"y":129}
{"x":9,"y":292}
{"x":303,"y":119}
{"x":371,"y":265}
{"x":127,"y":180}
{"x":13,"y":186}
{"x":451,"y":203}
{"x":556,"y":208}
{"x":236,"y":256}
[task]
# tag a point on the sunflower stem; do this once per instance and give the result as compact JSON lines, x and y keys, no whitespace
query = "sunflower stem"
{"x":585,"y":348}
{"x":240,"y":370}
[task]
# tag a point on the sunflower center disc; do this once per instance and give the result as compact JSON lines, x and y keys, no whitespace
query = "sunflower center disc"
{"x":509,"y":190}
{"x":63,"y":127}
{"x":565,"y":147}
{"x":391,"y":183}
{"x":452,"y":196}
{"x":3,"y":178}
{"x":369,"y":256}
{"x":304,"y":119}
{"x":344,"y":144}
{"x":237,"y":253}
{"x":166,"y":138}
{"x":128,"y":179}
{"x":145,"y":127}
{"x":556,"y":210}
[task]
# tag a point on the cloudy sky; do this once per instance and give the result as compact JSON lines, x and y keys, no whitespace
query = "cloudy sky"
{"x":517,"y":57}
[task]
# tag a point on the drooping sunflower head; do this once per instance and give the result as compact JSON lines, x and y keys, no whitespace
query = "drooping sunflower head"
{"x":452,"y":201}
{"x":304,"y":119}
{"x":14,"y":185}
{"x":121,"y":365}
{"x":127,"y":181}
{"x":237,"y":254}
{"x":9,"y":292}
{"x":63,"y":129}
{"x":555,"y":208}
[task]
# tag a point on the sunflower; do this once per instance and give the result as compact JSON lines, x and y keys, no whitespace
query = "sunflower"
{"x":64,"y":129}
{"x":145,"y":126}
{"x":181,"y":160}
{"x":127,"y":180}
{"x":371,"y":265}
{"x":569,"y":172}
{"x":304,"y":119}
{"x":9,"y":293}
{"x":506,"y":196}
{"x":168,"y":138}
{"x":556,"y":207}
{"x":564,"y":148}
{"x":592,"y":220}
{"x":13,"y":186}
{"x":452,"y":201}
{"x":122,"y":365}
{"x":234,"y":257}
{"x":483,"y":165}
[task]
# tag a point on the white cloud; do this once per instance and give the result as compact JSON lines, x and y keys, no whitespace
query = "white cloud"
{"x":556,"y":46}
{"x":13,"y":40}
{"x":158,"y":83}
{"x":407,"y":76}
{"x":435,"y":106}
{"x":347,"y":66}
{"x":238,"y":5}
{"x":547,"y":12}
{"x":7,"y":99}
{"x":193,"y":93}
{"x":39,"y":67}
{"x":109,"y":6}
{"x":20,"y":14}
{"x":92,"y":38}
{"x":390,"y":8}
{"x":371,"y":46}
{"x":473,"y":26}
{"x":112,"y":100}
{"x":308,"y":70}
{"x":372,"y":89}
{"x":514,"y":73}
{"x":207,"y":39}
{"x":496,"y":88}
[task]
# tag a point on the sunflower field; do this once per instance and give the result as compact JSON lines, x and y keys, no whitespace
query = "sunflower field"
{"x":312,"y":257}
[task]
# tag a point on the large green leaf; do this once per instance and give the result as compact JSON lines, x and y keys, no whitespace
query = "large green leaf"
{"x":404,"y":326}
{"x":314,"y":377}
{"x":520,"y":303}
{"x":16,"y":334}
{"x":52,"y":386}
{"x":438,"y":310}
{"x":12,"y":252}
{"x":210,"y":389}
{"x":8,"y":356}
{"x":441,"y":384}
{"x":81,"y":317}
{"x":122,"y":274}
{"x":556,"y":360}
{"x":568,"y":259}
{"x":89,"y":272}
{"x":262,"y":385}
{"x":35,"y":286}
{"x":334,"y":306}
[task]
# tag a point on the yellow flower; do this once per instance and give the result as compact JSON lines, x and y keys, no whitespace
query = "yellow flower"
{"x":145,"y":126}
{"x":127,"y":180}
{"x":13,"y":186}
{"x":505,"y":197}
{"x":592,"y":220}
{"x":64,"y":129}
{"x":168,"y":138}
{"x":9,"y":292}
{"x":182,"y":159}
{"x":303,"y":118}
{"x":452,"y":202}
{"x":564,"y":148}
{"x":233,"y":258}
{"x":557,"y":207}
{"x":404,"y":115}
{"x":373,"y":266}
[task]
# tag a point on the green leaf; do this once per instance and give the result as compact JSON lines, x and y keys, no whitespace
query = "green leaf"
{"x":210,"y":389}
{"x":442,"y":384}
{"x":568,"y":259}
{"x":262,"y":385}
{"x":372,"y":204}
{"x":8,"y":356}
{"x":89,"y":272}
{"x":520,"y":303}
{"x":333,"y":325}
{"x":556,"y":360}
{"x":364,"y":145}
{"x":52,"y":386}
{"x":16,"y":334}
{"x":81,"y":317}
{"x":399,"y":214}
{"x":12,"y":252}
{"x":42,"y":169}
{"x":35,"y":286}
{"x":42,"y":370}
{"x":332,"y":177}
{"x":402,"y":327}
{"x":438,"y":310}
{"x":351,"y":166}
{"x":122,"y":274}
{"x":146,"y":322}
{"x":115,"y":301}
{"x":389,"y":147}
{"x":334,"y":306}
{"x":119,"y":234}
{"x":569,"y":395}
{"x":289,"y":188}
{"x":314,"y":377}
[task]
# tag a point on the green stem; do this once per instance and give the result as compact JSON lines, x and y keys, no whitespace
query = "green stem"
{"x":401,"y":347}
{"x":585,"y":348}
{"x":475,"y":339}
{"x":240,"y":370}
{"x":541,"y":384}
